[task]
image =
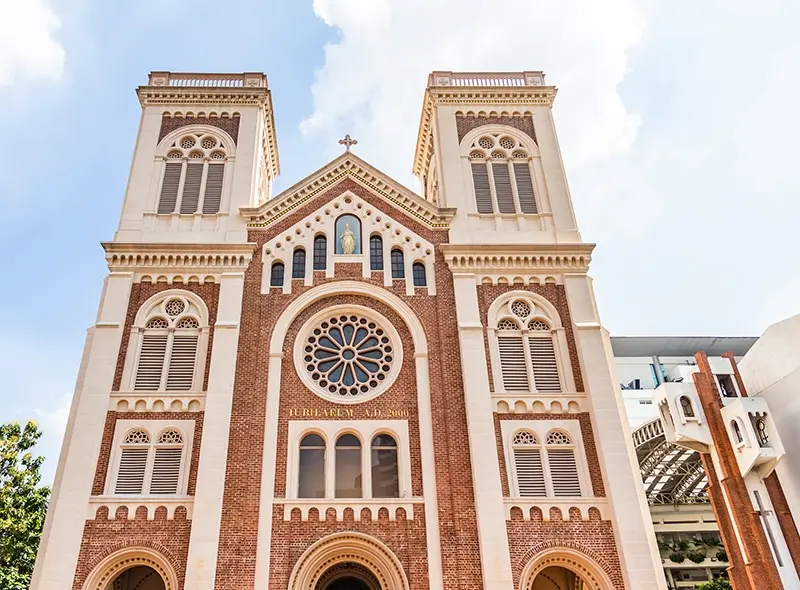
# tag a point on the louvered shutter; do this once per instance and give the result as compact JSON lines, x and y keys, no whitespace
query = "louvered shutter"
{"x":483,"y":193}
{"x":180,"y":375}
{"x":166,"y":471}
{"x":512,"y":363}
{"x":132,"y":465}
{"x":191,"y":188}
{"x":564,"y":472}
{"x":530,"y":473}
{"x":502,"y":188}
{"x":213,"y":194}
{"x":151,"y":362}
{"x":169,"y":188}
{"x":527,"y":200}
{"x":545,"y":367}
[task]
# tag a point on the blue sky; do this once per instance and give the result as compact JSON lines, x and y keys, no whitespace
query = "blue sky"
{"x":677,"y":121}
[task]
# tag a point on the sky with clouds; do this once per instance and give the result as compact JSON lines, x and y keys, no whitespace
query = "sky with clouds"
{"x":677,"y":121}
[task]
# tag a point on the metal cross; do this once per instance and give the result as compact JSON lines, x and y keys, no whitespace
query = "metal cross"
{"x":347,"y":142}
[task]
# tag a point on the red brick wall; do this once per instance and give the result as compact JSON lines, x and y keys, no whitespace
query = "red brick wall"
{"x":785,"y":518}
{"x":102,"y":537}
{"x":228,"y":124}
{"x":460,"y":553}
{"x":589,"y":446}
{"x":141,"y":292}
{"x":108,"y":439}
{"x":466,"y":123}
{"x":594,"y":538}
{"x":557,"y":296}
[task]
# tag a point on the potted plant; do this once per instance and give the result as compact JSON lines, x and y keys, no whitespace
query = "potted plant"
{"x":677,"y":557}
{"x":696,"y":556}
{"x":721,"y":555}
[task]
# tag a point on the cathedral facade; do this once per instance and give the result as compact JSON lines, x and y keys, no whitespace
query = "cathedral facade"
{"x":348,"y":385}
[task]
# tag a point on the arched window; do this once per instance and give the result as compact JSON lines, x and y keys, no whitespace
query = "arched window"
{"x":398,"y":264}
{"x":276,"y":275}
{"x":761,"y":432}
{"x":526,"y":348}
{"x":418,"y":272}
{"x":193,"y":175}
{"x":348,"y":467}
{"x":144,"y":466}
{"x":737,"y":431}
{"x":562,"y":464}
{"x":169,"y":344}
{"x":375,"y":253}
{"x":312,"y":467}
{"x":502,"y":176}
{"x":299,"y":264}
{"x":348,"y":234}
{"x":687,"y":407}
{"x":385,"y":477}
{"x":528,"y":467}
{"x":320,"y":253}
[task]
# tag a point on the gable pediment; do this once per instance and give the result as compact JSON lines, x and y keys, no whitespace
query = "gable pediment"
{"x":348,"y":166}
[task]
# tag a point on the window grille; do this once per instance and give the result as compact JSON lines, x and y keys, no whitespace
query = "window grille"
{"x":509,"y":189}
{"x":276,"y":274}
{"x":320,"y":254}
{"x":418,"y":272}
{"x":193,"y":177}
{"x":376,"y":253}
{"x":299,"y":264}
{"x":398,"y":264}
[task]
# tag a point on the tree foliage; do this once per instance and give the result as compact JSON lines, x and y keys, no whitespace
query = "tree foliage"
{"x":716,"y":584}
{"x":23,"y":504}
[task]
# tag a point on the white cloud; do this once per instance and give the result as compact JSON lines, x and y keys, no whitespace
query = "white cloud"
{"x":28,"y":49}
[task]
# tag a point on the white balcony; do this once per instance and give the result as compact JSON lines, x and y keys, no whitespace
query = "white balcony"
{"x":682,"y":415}
{"x":753,"y":434}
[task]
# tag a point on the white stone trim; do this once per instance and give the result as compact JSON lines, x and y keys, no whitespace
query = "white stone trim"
{"x":152,"y":503}
{"x":539,"y":403}
{"x":157,"y":401}
{"x":154,"y":427}
{"x":541,"y":428}
{"x":191,"y":262}
{"x":545,"y":504}
{"x":276,"y":347}
{"x":593,"y":576}
{"x":109,"y":568}
{"x":348,"y":547}
{"x":313,"y":321}
{"x":340,"y":505}
{"x":365,"y":430}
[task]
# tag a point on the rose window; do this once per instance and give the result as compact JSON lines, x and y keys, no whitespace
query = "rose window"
{"x":348,"y":355}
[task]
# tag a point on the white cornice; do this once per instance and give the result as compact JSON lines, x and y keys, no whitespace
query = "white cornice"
{"x":183,"y":258}
{"x":501,"y":96}
{"x":532,"y":258}
{"x":350,"y":166}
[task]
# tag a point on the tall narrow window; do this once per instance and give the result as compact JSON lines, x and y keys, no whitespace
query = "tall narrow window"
{"x":686,"y":407}
{"x":418,"y":272}
{"x":562,"y":464}
{"x":320,"y":253}
{"x":133,"y":463}
{"x":168,"y":351}
{"x":528,"y":466}
{"x":193,"y":176}
{"x":299,"y":264}
{"x":147,"y":468}
{"x":312,"y":467}
{"x":511,"y":173}
{"x":348,"y":467}
{"x":167,"y":463}
{"x":513,"y":366}
{"x":385,"y":477}
{"x":543,"y":357}
{"x":276,"y":275}
{"x":737,"y":431}
{"x":398,"y":264}
{"x":375,"y":253}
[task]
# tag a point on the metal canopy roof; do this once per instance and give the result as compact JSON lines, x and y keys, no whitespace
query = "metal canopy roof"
{"x":670,"y":474}
{"x":680,"y":345}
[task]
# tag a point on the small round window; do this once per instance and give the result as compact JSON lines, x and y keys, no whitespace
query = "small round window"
{"x":347,"y":356}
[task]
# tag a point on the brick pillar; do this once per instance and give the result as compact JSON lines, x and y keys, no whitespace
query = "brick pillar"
{"x":785,"y":518}
{"x":758,"y":561}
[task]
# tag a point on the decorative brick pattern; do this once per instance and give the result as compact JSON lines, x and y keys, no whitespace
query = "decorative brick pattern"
{"x":141,"y":292}
{"x":108,"y":439}
{"x":556,"y":295}
{"x":229,"y":125}
{"x":589,"y":447}
{"x":457,"y":528}
{"x":102,"y":537}
{"x":468,"y":122}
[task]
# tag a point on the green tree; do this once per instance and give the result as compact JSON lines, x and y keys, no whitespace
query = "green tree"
{"x":716,"y":584}
{"x":23,"y":504}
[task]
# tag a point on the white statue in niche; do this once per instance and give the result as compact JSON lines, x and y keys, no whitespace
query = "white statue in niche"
{"x":347,"y":240}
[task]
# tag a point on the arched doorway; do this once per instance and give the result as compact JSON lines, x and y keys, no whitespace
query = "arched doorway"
{"x":140,"y":577}
{"x":348,"y":576}
{"x":556,"y":577}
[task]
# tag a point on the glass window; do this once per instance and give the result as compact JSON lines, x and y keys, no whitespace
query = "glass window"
{"x":276,"y":277}
{"x":418,"y":272}
{"x":376,"y":253}
{"x":398,"y":265}
{"x":348,"y":235}
{"x":299,"y":264}
{"x":385,"y":478}
{"x":348,"y":467}
{"x":320,"y":252}
{"x":312,"y":467}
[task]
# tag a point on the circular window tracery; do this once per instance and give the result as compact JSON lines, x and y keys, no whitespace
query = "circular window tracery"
{"x":174,"y":307}
{"x":348,"y":355}
{"x":486,"y":142}
{"x":521,"y":309}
